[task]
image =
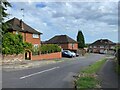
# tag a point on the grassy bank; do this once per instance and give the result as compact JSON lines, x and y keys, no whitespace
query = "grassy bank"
{"x":88,"y":78}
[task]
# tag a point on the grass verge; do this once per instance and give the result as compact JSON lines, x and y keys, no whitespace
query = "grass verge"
{"x":88,"y":78}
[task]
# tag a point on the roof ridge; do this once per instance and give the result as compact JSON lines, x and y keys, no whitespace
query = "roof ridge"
{"x":14,"y":21}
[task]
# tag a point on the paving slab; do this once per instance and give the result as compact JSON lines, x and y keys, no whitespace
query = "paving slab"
{"x":108,"y":76}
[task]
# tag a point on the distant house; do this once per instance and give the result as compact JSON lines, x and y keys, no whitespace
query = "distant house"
{"x":64,"y":41}
{"x":29,"y":34}
{"x":102,"y":46}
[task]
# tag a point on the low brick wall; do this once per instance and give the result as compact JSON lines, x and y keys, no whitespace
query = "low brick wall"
{"x":47,"y":56}
{"x":12,"y":58}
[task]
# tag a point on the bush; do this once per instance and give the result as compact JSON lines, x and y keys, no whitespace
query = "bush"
{"x":27,"y":46}
{"x":49,"y":48}
{"x":35,"y":51}
{"x":13,"y":44}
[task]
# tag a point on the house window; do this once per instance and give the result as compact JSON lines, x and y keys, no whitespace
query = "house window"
{"x":95,"y":47}
{"x":101,"y":46}
{"x":72,"y":45}
{"x":35,"y":36}
{"x":112,"y":47}
{"x":16,"y":32}
{"x":36,"y":45}
{"x":90,"y":46}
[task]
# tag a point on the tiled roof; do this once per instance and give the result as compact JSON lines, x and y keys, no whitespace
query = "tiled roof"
{"x":103,"y":42}
{"x":60,"y":39}
{"x":14,"y":24}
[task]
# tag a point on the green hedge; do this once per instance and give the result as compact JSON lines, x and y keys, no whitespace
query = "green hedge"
{"x":49,"y":48}
{"x":35,"y":51}
{"x":13,"y":44}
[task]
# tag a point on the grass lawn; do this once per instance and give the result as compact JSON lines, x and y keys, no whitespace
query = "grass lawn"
{"x":88,"y":78}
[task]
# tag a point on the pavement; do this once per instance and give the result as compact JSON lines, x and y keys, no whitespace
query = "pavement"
{"x":109,"y":78}
{"x":26,"y":64}
{"x":57,"y":75}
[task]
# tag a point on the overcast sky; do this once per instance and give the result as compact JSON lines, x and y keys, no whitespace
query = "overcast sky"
{"x":95,"y":19}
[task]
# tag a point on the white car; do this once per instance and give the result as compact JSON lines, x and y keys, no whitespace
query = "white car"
{"x":70,"y":52}
{"x":74,"y":54}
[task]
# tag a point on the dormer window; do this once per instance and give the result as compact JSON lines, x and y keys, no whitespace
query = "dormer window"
{"x":35,"y":36}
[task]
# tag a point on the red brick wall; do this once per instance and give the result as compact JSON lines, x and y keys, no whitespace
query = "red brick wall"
{"x":47,"y":56}
{"x":75,"y":46}
{"x":64,"y":46}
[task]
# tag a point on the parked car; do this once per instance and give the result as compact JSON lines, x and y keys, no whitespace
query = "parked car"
{"x":77,"y":54}
{"x":67,"y":54}
{"x":74,"y":54}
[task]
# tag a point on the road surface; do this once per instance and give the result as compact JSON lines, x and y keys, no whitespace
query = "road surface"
{"x":59,"y":75}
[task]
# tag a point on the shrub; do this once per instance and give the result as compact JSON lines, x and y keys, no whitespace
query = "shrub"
{"x":49,"y":48}
{"x":35,"y":51}
{"x":28,"y":46}
{"x":13,"y":44}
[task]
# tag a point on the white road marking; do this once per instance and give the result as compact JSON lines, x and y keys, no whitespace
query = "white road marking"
{"x":38,"y":73}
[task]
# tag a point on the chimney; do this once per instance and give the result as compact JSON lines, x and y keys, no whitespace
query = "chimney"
{"x":21,"y":24}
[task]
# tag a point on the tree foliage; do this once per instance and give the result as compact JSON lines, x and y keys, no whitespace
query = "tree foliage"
{"x":13,"y":44}
{"x":3,"y":14}
{"x":49,"y":48}
{"x":3,"y":7}
{"x":80,"y":40}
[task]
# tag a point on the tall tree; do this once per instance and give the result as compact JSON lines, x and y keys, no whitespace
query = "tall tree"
{"x":3,"y":14}
{"x":80,"y":40}
{"x":3,"y":27}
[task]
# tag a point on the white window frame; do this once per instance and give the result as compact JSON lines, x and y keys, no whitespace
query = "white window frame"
{"x":72,"y":45}
{"x":112,"y":47}
{"x":90,"y":46}
{"x":16,"y":32}
{"x":95,"y":46}
{"x":35,"y":36}
{"x":102,"y":47}
{"x":36,"y":45}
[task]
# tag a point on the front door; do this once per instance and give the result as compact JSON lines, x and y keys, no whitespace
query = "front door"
{"x":27,"y":55}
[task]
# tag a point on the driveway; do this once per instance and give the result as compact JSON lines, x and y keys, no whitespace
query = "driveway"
{"x":58,"y":75}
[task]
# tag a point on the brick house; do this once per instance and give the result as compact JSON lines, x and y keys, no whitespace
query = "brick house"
{"x":64,"y":41}
{"x":102,"y":46}
{"x":29,"y":34}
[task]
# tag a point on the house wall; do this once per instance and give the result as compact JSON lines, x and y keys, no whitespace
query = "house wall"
{"x":47,"y":56}
{"x":73,"y":47}
{"x":28,"y":37}
{"x":64,"y":46}
{"x":98,"y":49}
{"x":69,"y":46}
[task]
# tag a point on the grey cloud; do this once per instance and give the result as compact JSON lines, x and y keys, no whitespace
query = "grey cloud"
{"x":90,"y":11}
